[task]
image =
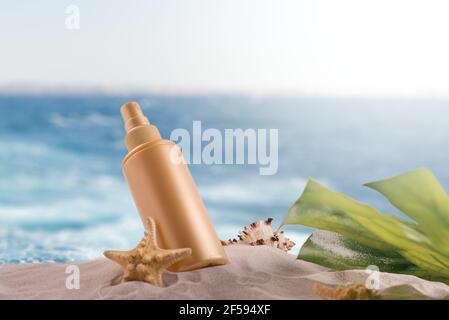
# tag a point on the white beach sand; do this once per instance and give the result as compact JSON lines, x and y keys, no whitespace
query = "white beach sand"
{"x":254,"y":273}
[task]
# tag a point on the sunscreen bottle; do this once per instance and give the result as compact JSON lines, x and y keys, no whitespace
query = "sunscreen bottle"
{"x":163,"y":188}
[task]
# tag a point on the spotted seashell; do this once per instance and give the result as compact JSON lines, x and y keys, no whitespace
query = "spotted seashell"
{"x":261,"y":233}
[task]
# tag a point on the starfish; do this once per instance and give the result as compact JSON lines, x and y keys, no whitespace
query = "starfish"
{"x":147,"y":262}
{"x":356,"y":291}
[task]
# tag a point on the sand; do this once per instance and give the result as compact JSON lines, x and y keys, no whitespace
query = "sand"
{"x":254,"y":273}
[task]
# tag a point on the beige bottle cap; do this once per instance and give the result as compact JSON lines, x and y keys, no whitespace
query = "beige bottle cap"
{"x":138,"y":128}
{"x":133,"y":116}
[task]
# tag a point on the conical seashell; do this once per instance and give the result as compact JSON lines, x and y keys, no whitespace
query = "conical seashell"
{"x":261,"y":233}
{"x":147,"y":262}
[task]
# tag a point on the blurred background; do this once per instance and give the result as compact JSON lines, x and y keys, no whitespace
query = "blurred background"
{"x":359,"y":91}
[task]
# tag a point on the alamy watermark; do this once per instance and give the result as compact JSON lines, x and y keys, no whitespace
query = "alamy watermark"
{"x":373,"y":280}
{"x":232,"y":146}
{"x":72,"y":281}
{"x":72,"y":19}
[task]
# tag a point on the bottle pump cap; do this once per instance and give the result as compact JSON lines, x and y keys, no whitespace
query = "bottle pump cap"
{"x":138,"y":128}
{"x":133,"y":116}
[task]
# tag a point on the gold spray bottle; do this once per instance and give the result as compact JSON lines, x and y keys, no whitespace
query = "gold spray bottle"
{"x":163,"y":188}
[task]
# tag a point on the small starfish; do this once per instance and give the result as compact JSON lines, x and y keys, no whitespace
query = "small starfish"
{"x":356,"y":291}
{"x":147,"y":262}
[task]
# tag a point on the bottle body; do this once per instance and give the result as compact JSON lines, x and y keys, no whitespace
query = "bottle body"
{"x":165,"y":190}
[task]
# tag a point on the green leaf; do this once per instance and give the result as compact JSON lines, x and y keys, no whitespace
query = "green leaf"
{"x":419,"y":195}
{"x":335,"y":251}
{"x":321,"y":208}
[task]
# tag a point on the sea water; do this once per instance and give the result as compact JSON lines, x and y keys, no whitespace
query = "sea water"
{"x":63,"y":197}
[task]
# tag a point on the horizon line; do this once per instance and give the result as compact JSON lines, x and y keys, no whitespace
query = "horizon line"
{"x":80,"y":90}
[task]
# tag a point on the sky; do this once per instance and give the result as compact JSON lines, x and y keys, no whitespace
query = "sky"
{"x":313,"y":48}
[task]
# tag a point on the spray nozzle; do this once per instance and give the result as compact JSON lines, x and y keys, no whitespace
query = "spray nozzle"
{"x":138,"y":128}
{"x":133,"y":116}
